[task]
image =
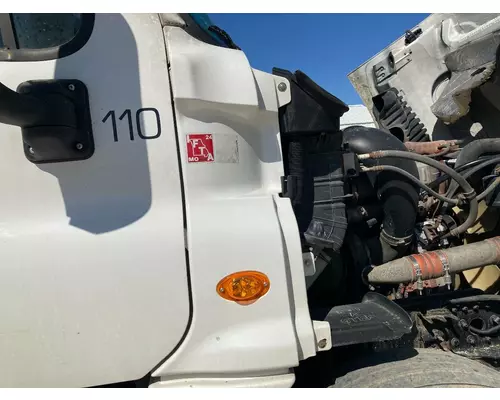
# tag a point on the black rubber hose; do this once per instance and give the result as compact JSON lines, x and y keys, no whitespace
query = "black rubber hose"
{"x":471,"y":164}
{"x":489,"y":189}
{"x":468,"y":190}
{"x":416,"y":181}
{"x":479,"y":297}
{"x":445,"y":177}
{"x":422,"y":159}
{"x":473,"y":151}
{"x":485,"y":332}
{"x":472,"y":171}
{"x":477,"y":148}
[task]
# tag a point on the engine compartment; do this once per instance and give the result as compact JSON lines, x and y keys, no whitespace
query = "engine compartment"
{"x":414,"y":220}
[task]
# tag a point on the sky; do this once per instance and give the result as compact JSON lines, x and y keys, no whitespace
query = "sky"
{"x":324,"y":46}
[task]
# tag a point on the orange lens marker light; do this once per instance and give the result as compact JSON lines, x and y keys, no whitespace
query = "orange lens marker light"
{"x":244,"y":287}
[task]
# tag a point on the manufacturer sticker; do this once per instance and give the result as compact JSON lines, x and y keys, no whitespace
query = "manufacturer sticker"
{"x":200,"y":148}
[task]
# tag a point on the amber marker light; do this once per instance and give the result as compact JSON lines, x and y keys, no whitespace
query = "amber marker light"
{"x":244,"y":287}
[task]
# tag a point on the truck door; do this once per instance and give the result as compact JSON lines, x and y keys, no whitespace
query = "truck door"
{"x":93,"y":276}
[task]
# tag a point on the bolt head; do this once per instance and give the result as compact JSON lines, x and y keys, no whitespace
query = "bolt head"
{"x":476,"y":308}
{"x":221,"y":290}
{"x":322,"y":343}
{"x":71,"y":87}
{"x":454,"y":310}
{"x":471,"y":340}
{"x":455,"y":342}
{"x":465,"y":309}
{"x":463,"y":324}
{"x":282,"y":87}
{"x":79,"y":146}
{"x":31,"y":150}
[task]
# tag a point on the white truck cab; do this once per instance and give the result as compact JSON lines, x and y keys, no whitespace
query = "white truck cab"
{"x":114,"y":239}
{"x":167,"y":211}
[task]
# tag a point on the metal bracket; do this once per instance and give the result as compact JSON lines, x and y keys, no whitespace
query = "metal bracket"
{"x":62,"y":142}
{"x":323,"y":335}
{"x":309,"y":264}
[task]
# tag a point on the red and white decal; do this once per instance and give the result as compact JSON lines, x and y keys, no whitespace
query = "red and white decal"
{"x":200,"y":148}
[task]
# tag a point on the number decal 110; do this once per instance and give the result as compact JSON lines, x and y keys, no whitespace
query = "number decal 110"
{"x":127,"y":114}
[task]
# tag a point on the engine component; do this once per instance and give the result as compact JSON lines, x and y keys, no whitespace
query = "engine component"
{"x":426,"y":173}
{"x":312,"y":150}
{"x":472,"y":152}
{"x":398,"y":194}
{"x":436,"y":148}
{"x":469,"y":192}
{"x":449,"y":321}
{"x":394,"y":115}
{"x":430,"y":233}
{"x":433,"y":148}
{"x":409,"y":176}
{"x":435,"y":264}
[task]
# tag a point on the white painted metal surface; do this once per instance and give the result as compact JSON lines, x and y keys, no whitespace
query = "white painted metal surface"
{"x":236,"y":221}
{"x":272,"y":381}
{"x":421,"y":80}
{"x":93,"y":280}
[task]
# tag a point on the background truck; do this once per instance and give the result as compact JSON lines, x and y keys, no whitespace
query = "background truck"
{"x":173,"y":217}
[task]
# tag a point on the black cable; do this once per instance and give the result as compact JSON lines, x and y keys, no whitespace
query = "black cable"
{"x":415,"y":180}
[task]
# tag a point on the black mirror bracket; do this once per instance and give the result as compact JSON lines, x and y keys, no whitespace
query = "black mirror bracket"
{"x":55,"y":119}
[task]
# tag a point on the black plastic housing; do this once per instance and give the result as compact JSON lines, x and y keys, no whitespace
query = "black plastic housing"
{"x":395,"y":116}
{"x":312,"y":109}
{"x":63,"y":130}
{"x":312,"y":154}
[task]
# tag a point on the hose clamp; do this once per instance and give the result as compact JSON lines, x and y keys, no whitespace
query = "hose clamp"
{"x":395,"y":241}
{"x":446,"y":268}
{"x":470,"y":195}
{"x":418,"y":273}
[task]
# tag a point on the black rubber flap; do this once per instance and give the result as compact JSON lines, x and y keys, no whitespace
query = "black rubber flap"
{"x":375,"y":319}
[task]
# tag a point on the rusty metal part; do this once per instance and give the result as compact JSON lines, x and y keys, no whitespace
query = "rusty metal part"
{"x":436,"y":264}
{"x":431,"y":147}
